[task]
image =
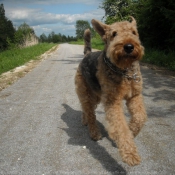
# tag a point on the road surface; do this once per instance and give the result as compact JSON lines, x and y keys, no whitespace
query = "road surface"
{"x":41,"y":131}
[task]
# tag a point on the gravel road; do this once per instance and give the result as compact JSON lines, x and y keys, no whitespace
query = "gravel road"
{"x":41,"y":131}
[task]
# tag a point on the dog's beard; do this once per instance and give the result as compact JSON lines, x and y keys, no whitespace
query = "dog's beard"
{"x":122,"y":59}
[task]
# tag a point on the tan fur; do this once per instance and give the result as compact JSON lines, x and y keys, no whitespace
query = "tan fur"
{"x":87,"y":41}
{"x":116,"y":88}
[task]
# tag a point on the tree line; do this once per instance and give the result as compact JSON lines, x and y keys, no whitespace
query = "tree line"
{"x":155,"y":19}
{"x":11,"y":37}
{"x":56,"y":38}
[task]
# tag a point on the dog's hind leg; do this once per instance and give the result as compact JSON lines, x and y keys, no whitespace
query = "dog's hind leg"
{"x":89,"y":102}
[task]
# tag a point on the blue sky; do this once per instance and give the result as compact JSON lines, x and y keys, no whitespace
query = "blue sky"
{"x":45,"y":16}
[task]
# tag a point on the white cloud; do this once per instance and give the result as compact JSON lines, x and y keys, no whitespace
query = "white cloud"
{"x":52,"y":1}
{"x":44,"y":22}
{"x":47,"y":29}
{"x":38,"y":17}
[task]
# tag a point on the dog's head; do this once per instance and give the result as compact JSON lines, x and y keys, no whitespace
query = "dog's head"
{"x":122,"y":43}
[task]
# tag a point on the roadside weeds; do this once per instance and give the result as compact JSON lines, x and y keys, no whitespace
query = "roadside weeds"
{"x":8,"y":78}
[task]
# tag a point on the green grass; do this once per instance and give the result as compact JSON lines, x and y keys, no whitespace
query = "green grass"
{"x":10,"y":59}
{"x":160,"y":58}
{"x":79,"y":42}
{"x":97,"y":43}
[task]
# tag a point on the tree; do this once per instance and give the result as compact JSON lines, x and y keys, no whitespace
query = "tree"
{"x":68,"y":38}
{"x":156,"y":23}
{"x":81,"y":26}
{"x":2,"y":11}
{"x":43,"y":38}
{"x":55,"y":38}
{"x":117,"y":10}
{"x":23,"y":33}
{"x":26,"y":29}
{"x":6,"y":29}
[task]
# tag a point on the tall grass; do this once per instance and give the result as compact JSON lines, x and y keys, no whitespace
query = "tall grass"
{"x":160,"y":58}
{"x":10,"y":59}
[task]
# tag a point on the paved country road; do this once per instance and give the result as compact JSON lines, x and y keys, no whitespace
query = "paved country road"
{"x":41,"y":131}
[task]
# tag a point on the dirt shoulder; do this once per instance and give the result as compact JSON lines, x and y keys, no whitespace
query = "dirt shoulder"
{"x":8,"y":78}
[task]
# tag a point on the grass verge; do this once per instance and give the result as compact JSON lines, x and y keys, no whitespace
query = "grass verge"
{"x":96,"y":43}
{"x":10,"y":59}
{"x":160,"y":58}
{"x":79,"y":42}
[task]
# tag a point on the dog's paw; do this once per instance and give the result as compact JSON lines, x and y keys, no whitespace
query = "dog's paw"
{"x":95,"y":135}
{"x":131,"y":159}
{"x":134,"y":129}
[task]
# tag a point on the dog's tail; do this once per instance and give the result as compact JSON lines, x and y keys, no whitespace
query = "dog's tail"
{"x":87,"y":41}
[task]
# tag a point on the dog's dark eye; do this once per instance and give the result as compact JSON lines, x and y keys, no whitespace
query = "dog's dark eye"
{"x":114,"y":34}
{"x":133,"y":32}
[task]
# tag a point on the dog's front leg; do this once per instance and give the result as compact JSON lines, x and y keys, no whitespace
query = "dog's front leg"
{"x":138,"y":113}
{"x":119,"y":131}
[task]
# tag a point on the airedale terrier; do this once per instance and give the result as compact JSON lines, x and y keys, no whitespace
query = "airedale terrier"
{"x":111,"y":76}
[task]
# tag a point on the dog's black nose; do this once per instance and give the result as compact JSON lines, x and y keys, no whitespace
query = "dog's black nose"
{"x":128,"y":48}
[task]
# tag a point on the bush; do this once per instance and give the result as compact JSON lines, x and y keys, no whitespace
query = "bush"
{"x":156,"y":23}
{"x":160,"y":58}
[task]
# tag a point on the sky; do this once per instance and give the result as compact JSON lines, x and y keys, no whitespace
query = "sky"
{"x":45,"y":16}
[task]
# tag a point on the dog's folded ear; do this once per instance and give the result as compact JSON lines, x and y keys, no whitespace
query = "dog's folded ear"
{"x":99,"y":27}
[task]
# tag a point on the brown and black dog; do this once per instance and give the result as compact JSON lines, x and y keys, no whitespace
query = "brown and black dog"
{"x":111,"y":76}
